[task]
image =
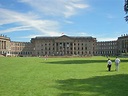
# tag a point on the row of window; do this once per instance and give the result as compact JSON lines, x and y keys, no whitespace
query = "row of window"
{"x":114,"y":47}
{"x":19,"y":44}
{"x":64,"y":53}
{"x":20,"y":48}
{"x":61,"y":48}
{"x":21,"y":53}
{"x":65,"y":44}
{"x":111,"y":43}
{"x":106,"y":52}
{"x":49,"y":41}
{"x":125,"y":44}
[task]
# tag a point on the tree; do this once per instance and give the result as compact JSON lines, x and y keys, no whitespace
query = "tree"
{"x":126,"y":9}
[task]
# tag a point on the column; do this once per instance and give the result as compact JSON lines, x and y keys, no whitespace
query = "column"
{"x":73,"y":48}
{"x":0,"y":44}
{"x":4,"y":44}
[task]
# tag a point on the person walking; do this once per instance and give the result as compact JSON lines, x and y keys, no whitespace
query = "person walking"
{"x":117,"y":62}
{"x":109,"y":64}
{"x":46,"y":57}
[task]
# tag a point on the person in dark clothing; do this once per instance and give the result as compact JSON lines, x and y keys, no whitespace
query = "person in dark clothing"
{"x":109,"y":62}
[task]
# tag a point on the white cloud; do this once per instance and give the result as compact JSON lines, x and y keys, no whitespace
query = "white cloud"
{"x":69,"y":22}
{"x":39,"y":35}
{"x":14,"y":29}
{"x":80,"y":5}
{"x":8,"y":16}
{"x":48,"y":27}
{"x":64,"y":8}
{"x":30,"y":36}
{"x":30,"y":20}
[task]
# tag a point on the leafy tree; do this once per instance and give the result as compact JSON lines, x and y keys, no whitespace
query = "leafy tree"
{"x":126,"y":9}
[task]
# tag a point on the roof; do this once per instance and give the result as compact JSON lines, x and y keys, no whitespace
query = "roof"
{"x":71,"y":37}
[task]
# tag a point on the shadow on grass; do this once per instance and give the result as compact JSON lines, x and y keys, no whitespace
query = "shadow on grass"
{"x":77,"y":61}
{"x":111,"y":85}
{"x":81,"y":61}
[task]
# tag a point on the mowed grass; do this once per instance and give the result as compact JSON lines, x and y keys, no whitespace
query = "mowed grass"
{"x":33,"y":76}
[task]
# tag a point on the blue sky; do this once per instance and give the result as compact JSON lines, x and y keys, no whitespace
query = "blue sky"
{"x":22,"y":20}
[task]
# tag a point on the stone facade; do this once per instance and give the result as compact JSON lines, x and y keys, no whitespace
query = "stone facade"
{"x":21,"y":49}
{"x":106,"y":48}
{"x":4,"y":45}
{"x":63,"y":46}
{"x":123,"y":44}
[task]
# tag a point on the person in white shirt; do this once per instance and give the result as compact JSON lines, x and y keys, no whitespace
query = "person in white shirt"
{"x":117,"y":62}
{"x":109,"y":64}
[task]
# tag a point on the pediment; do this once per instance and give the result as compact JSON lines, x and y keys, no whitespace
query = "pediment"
{"x":64,"y":38}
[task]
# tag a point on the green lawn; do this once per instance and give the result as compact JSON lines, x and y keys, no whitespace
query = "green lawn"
{"x":33,"y":76}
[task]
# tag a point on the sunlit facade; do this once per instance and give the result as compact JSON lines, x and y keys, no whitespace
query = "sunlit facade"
{"x":63,"y":46}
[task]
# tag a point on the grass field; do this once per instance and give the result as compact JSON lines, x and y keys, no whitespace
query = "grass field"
{"x":33,"y":76}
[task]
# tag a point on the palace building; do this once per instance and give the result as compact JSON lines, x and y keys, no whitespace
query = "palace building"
{"x":63,"y":46}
